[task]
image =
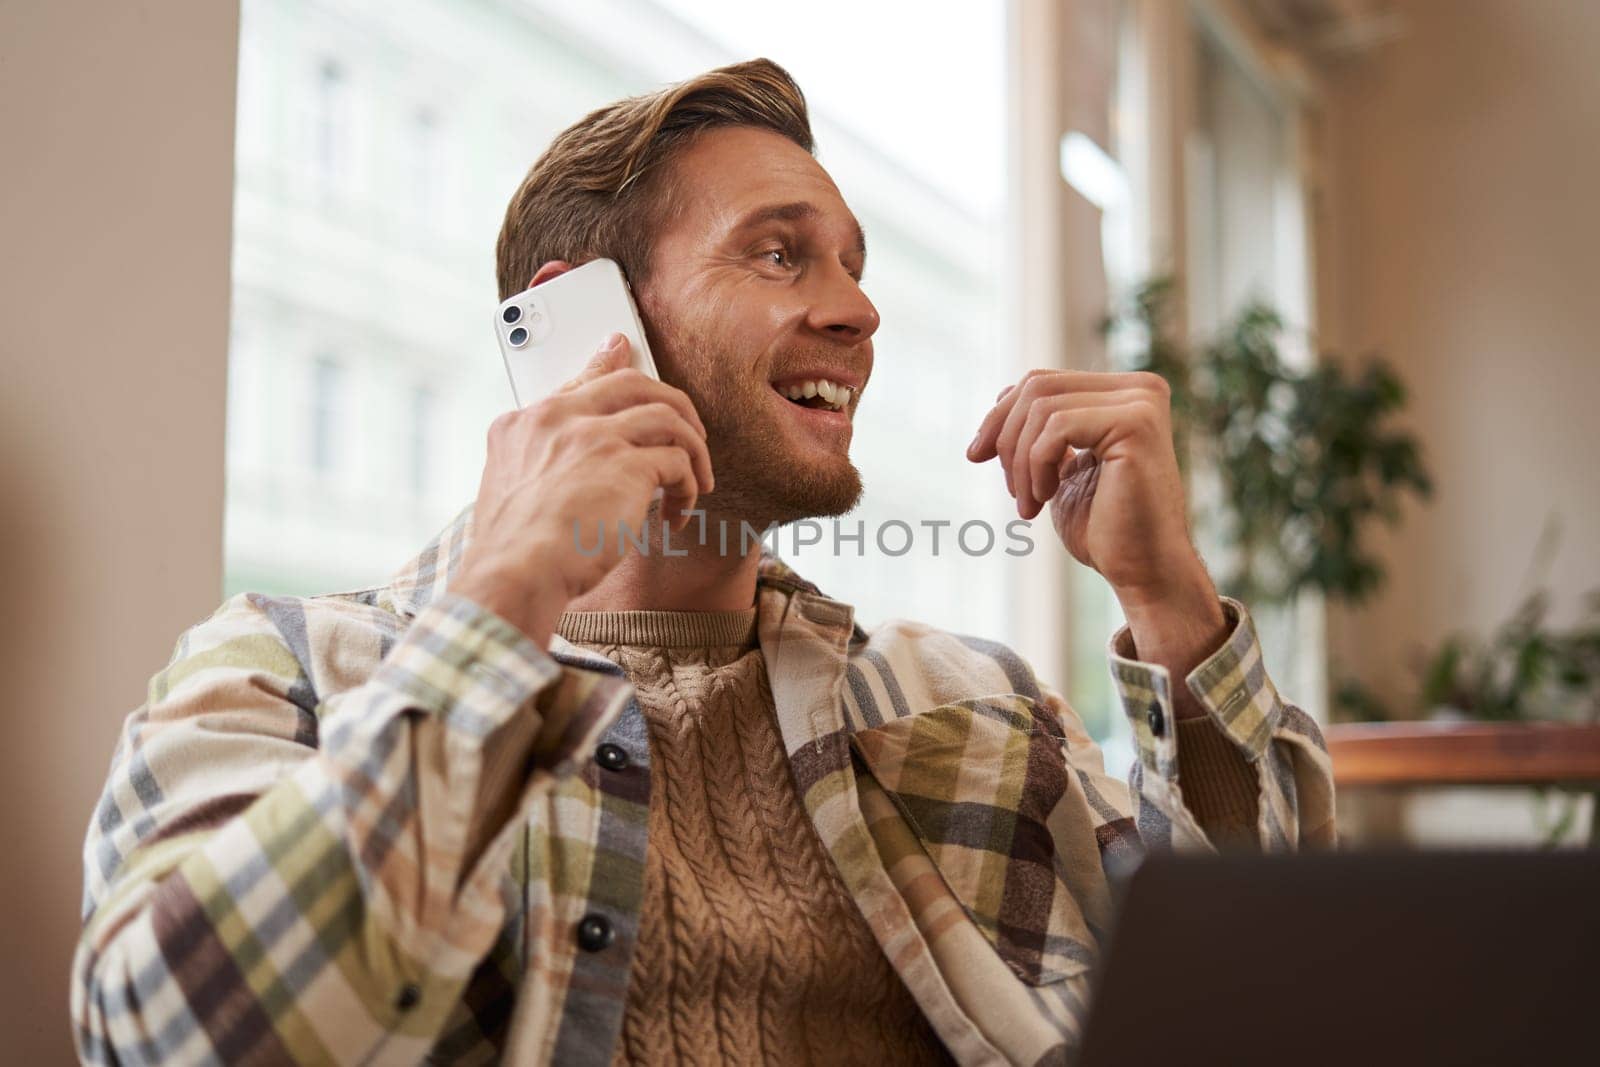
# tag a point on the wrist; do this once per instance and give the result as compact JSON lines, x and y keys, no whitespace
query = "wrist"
{"x":1177,"y":625}
{"x":1183,"y":591}
{"x":533,"y":606}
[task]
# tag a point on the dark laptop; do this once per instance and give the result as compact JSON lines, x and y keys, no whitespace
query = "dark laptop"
{"x":1353,"y":958}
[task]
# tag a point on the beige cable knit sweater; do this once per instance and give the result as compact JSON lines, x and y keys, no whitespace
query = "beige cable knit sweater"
{"x":750,"y":950}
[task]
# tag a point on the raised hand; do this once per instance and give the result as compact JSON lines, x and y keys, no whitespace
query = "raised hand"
{"x":1097,"y":448}
{"x":589,"y":456}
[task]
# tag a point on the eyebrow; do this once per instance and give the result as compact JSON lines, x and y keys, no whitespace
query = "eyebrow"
{"x":798,"y":211}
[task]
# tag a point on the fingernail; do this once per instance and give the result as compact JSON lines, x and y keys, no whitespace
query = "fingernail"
{"x":973,"y":446}
{"x":614,"y":341}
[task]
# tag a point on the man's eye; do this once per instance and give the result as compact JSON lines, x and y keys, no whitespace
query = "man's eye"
{"x":779,"y":256}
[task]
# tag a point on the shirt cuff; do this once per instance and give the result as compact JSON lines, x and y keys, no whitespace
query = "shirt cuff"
{"x":1231,"y":685}
{"x":466,"y":664}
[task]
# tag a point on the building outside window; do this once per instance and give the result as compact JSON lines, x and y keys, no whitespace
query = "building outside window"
{"x":331,"y":134}
{"x":327,"y":407}
{"x":426,"y":164}
{"x":422,"y":428}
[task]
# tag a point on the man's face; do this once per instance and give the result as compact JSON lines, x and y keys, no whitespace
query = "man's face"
{"x":755,"y":289}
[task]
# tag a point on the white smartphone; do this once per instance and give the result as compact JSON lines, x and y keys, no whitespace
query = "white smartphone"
{"x":549,"y":332}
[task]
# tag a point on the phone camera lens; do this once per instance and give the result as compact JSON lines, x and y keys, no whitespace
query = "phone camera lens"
{"x":519,"y":337}
{"x":511,"y":314}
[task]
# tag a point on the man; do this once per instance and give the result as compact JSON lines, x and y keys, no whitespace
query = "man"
{"x":536,"y":802}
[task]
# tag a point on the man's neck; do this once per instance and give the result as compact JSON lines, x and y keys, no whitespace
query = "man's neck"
{"x":703,"y":578}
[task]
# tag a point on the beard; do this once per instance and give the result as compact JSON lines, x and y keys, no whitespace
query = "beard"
{"x":763,"y":475}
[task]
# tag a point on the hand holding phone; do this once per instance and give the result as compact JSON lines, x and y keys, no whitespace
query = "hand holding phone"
{"x":577,"y":459}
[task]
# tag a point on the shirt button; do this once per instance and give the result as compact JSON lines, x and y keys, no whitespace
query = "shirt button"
{"x":1155,"y":720}
{"x":611,"y":757}
{"x":409,"y":997}
{"x":595,"y":932}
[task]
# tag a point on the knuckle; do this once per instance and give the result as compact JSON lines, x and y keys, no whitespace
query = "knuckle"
{"x":1154,"y":382}
{"x":605,"y":444}
{"x":501,"y":425}
{"x":542,"y":412}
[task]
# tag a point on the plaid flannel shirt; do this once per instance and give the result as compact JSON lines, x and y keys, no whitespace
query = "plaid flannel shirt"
{"x":279,"y":870}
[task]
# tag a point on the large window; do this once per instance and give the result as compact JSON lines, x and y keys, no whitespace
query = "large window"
{"x":1248,"y":241}
{"x":1192,"y":154}
{"x":377,"y":150}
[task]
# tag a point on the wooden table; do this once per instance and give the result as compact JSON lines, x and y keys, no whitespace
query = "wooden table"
{"x":1468,"y":753}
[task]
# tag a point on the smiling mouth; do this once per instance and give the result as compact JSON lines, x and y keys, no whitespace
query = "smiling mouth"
{"x":817,"y":393}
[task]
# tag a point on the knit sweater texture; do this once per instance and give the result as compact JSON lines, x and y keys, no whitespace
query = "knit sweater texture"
{"x":750,"y":949}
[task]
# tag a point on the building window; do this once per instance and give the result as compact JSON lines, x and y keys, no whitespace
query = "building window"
{"x":330,"y":122}
{"x":423,"y":402}
{"x":426,"y":164}
{"x":327,"y":402}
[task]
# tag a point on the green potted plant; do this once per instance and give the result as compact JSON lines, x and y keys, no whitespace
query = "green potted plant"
{"x":1303,"y":460}
{"x":1525,"y":671}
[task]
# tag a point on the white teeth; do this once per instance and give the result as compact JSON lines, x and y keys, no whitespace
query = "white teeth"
{"x":834,"y":395}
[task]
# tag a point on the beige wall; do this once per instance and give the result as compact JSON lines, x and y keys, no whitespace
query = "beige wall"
{"x":1461,"y":238}
{"x":117,"y":127}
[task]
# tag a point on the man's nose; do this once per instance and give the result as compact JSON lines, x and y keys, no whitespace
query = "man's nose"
{"x":841,"y":310}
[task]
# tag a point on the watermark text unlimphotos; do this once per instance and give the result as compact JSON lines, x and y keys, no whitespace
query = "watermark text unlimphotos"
{"x":892,"y":537}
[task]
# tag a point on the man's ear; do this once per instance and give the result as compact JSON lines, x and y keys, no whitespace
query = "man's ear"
{"x":548,"y":270}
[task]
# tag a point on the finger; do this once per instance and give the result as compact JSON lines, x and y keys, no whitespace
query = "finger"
{"x":658,"y":423}
{"x":1047,"y":470}
{"x":1055,"y":388}
{"x":982,"y":447}
{"x":1099,"y":381}
{"x":1031,"y":482}
{"x":993,"y":437}
{"x":1085,"y":429}
{"x":672,"y":471}
{"x":612,"y":355}
{"x":1024,"y":471}
{"x":986,"y":445}
{"x":1021,"y":402}
{"x":618,"y":391}
{"x":1025,"y":487}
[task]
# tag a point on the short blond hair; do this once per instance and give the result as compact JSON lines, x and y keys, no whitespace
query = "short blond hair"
{"x":603,"y":186}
